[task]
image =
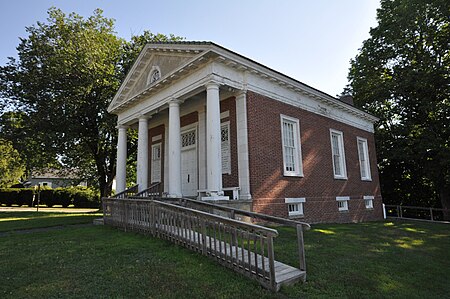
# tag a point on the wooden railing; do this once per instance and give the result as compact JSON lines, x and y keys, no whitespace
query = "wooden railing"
{"x":255,"y":217}
{"x":155,"y":190}
{"x":244,"y":247}
{"x":127,"y":192}
{"x":413,"y":212}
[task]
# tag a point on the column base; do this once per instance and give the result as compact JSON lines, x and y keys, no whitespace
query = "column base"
{"x":217,"y":197}
{"x":245,"y":196}
{"x":174,"y":195}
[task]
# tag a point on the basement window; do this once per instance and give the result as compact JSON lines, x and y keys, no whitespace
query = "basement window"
{"x":295,"y":206}
{"x":342,"y":203}
{"x":368,"y":201}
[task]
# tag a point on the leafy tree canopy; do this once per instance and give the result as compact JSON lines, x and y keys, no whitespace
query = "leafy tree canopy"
{"x":68,"y":70}
{"x":11,"y":166}
{"x":402,"y":75}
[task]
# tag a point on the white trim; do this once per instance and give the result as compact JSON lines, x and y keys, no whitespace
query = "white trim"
{"x":295,"y":206}
{"x":342,"y":203}
{"x":294,"y":199}
{"x":225,"y":114}
{"x":366,"y":162}
{"x":368,"y":201}
{"x":341,"y":154}
{"x":157,"y":137}
{"x":297,"y":155}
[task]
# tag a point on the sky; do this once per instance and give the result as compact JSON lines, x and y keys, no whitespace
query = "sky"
{"x":309,"y":40}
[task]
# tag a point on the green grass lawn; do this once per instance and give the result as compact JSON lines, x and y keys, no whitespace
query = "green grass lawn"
{"x":367,"y":260}
{"x":27,"y":220}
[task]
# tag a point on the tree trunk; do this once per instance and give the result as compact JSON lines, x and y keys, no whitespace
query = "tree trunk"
{"x":444,"y":194}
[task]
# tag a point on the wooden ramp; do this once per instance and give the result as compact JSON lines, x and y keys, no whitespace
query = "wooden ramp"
{"x":239,"y":257}
{"x":244,"y":247}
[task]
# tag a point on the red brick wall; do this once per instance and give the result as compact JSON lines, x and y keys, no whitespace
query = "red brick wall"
{"x":188,"y":119}
{"x":269,"y":187}
{"x":231,"y":180}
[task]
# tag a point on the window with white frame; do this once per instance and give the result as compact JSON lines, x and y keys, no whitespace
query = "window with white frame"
{"x":292,"y":155}
{"x":45,"y":184}
{"x":295,"y":206}
{"x":363,"y":154}
{"x":156,"y":163}
{"x":338,"y":154}
{"x":342,"y":203}
{"x":368,"y":201}
{"x":225,"y":145}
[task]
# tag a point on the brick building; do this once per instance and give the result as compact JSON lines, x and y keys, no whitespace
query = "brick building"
{"x":215,"y":125}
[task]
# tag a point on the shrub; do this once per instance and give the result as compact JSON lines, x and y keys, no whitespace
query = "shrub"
{"x":47,"y":198}
{"x":25,"y":197}
{"x":64,"y":196}
{"x":9,"y":196}
{"x":86,"y":198}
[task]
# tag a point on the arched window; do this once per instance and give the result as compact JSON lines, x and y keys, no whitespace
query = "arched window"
{"x":154,"y":75}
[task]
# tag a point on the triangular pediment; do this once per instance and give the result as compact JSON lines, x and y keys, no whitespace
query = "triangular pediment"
{"x":153,"y":58}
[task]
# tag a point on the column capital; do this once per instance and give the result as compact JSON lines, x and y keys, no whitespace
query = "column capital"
{"x":143,"y":117}
{"x":175,"y":102}
{"x":212,"y":84}
{"x":122,"y":127}
{"x":241,"y":93}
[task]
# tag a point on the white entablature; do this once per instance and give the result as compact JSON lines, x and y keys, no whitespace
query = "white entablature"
{"x":186,"y":67}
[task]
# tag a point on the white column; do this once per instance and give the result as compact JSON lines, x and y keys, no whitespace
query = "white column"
{"x":213,"y":141}
{"x":142,"y":154}
{"x":174,"y":150}
{"x":242,"y":146}
{"x":202,"y":185}
{"x":121,"y":168}
{"x":166,"y":157}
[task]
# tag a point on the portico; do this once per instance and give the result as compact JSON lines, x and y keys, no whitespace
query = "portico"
{"x":192,"y":153}
{"x":192,"y":159}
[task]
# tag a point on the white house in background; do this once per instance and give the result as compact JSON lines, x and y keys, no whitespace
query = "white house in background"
{"x":215,"y":125}
{"x":54,"y":178}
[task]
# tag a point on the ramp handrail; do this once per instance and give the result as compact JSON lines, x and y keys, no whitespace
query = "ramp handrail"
{"x":244,"y":247}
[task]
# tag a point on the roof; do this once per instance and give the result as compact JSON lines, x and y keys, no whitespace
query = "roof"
{"x":52,"y":173}
{"x":197,"y":52}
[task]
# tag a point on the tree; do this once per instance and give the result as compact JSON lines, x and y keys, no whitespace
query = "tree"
{"x":18,"y":128}
{"x":11,"y":167}
{"x":66,"y":74}
{"x":402,"y":75}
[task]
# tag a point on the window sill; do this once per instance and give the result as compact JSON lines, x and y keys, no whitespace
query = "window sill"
{"x":296,"y":216}
{"x":342,"y":178}
{"x":294,"y":175}
{"x":343,"y":211}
